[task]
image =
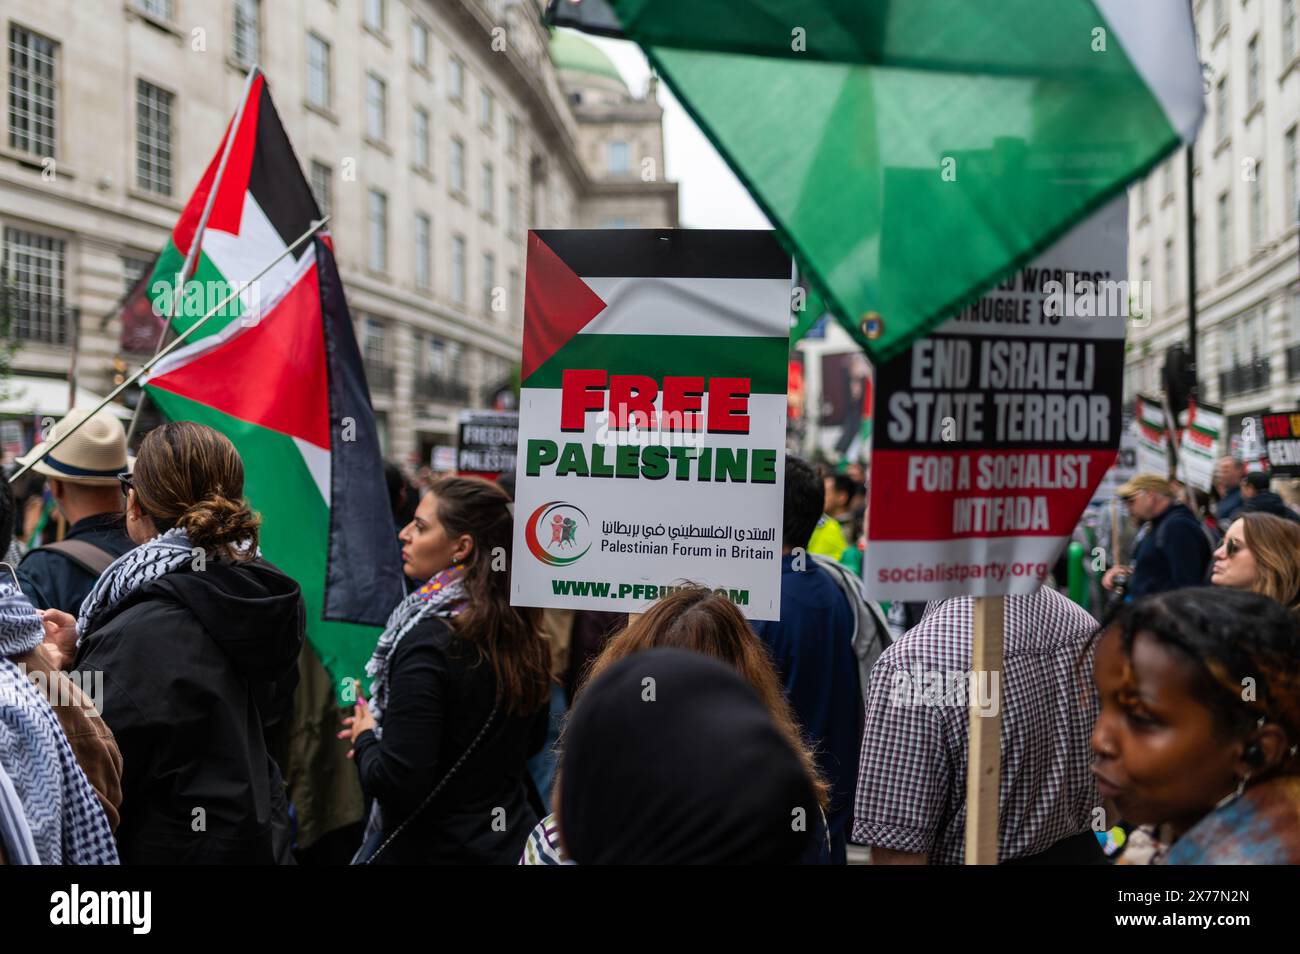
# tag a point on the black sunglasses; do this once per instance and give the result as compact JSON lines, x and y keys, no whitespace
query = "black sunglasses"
{"x":124,"y":479}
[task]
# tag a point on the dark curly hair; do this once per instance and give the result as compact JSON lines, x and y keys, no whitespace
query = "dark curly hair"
{"x":1228,"y":636}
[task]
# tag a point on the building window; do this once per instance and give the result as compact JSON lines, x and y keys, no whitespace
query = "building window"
{"x":319,"y":91}
{"x":512,"y":208}
{"x":133,"y":270}
{"x":374,"y":342}
{"x":1225,"y":234}
{"x":1168,"y":178}
{"x":419,"y":45}
{"x":372,"y":14}
{"x":456,"y":80}
{"x":33,"y":267}
{"x":322,"y":185}
{"x":246,"y":44}
{"x":158,"y":9}
{"x":486,"y":108}
{"x":457,"y":166}
{"x":618,"y":161}
{"x":489,"y":279}
{"x":1221,"y":118}
{"x":1220,"y":15}
{"x":33,"y":93}
{"x":1253,"y":68}
{"x":620,"y":222}
{"x":1170,"y":272}
{"x":423,"y":250}
{"x":513,"y":304}
{"x":1288,"y":31}
{"x":153,"y":138}
{"x":1257,"y":223}
{"x":377,"y":217}
{"x":376,"y":108}
{"x":512,"y":133}
{"x":1144,"y":200}
{"x":488,"y":199}
{"x":458,"y":268}
{"x":420,"y":135}
{"x":1292,"y":183}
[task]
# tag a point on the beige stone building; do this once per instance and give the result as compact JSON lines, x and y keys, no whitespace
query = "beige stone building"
{"x":1247,"y":218}
{"x":435,"y":132}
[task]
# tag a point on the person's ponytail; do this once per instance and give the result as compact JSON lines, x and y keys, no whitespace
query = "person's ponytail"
{"x":217,"y":523}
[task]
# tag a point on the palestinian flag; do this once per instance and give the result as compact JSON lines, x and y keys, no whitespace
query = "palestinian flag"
{"x":699,"y":305}
{"x":911,"y":155}
{"x":280,"y":374}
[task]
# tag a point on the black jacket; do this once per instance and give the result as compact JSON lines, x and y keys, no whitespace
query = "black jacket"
{"x":52,"y":580}
{"x":440,"y":695}
{"x":198,"y":666}
{"x":1173,"y":552}
{"x":1265,"y":501}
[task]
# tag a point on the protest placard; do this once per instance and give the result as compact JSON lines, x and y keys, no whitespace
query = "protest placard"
{"x":652,"y":418}
{"x":1153,"y":439}
{"x":1200,"y":445}
{"x":486,"y":443}
{"x":992,"y":433}
{"x":1282,"y":442}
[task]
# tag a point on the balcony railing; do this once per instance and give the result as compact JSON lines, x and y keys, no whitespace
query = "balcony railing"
{"x":435,"y":387}
{"x":380,"y":377}
{"x":1293,"y":362}
{"x":1244,"y":378}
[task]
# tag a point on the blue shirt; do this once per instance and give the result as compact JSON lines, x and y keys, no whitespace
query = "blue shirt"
{"x":812,"y":648}
{"x":52,"y":580}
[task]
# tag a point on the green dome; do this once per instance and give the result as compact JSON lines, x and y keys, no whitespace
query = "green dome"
{"x":570,"y":51}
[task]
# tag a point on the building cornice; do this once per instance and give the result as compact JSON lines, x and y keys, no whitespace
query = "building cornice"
{"x":474,"y":20}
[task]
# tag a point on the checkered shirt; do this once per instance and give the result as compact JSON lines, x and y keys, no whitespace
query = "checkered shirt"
{"x":911,"y":792}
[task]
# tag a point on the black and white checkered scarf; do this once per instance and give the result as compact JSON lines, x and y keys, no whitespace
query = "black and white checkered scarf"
{"x":132,"y":570}
{"x":61,"y":812}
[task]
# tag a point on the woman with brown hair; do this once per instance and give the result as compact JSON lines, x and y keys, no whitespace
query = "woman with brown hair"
{"x":696,"y":619}
{"x":458,"y":702}
{"x":1261,"y":553}
{"x":197,"y":638}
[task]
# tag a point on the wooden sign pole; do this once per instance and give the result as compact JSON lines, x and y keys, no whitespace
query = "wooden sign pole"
{"x":984,"y":754}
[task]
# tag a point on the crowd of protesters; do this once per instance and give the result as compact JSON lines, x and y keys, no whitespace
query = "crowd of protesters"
{"x":155,"y":686}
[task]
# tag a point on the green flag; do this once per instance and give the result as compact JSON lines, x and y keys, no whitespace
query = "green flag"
{"x":911,"y":154}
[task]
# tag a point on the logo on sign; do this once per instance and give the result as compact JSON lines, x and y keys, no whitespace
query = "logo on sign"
{"x":558,"y":533}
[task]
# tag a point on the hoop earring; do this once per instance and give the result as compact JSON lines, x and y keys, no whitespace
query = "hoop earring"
{"x":13,"y":573}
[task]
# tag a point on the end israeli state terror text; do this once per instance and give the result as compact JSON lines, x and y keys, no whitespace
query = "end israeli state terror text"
{"x":929,"y":417}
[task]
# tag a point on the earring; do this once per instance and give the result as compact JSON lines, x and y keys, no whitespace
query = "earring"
{"x":1233,"y":796}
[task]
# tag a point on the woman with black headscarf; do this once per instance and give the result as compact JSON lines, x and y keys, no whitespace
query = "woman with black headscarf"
{"x":670,"y":758}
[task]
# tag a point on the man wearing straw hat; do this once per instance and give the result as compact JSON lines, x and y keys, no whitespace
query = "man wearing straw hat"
{"x":82,"y":474}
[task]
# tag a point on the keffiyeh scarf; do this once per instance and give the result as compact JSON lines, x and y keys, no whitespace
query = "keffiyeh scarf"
{"x":444,"y":595}
{"x":64,"y":817}
{"x":132,"y":570}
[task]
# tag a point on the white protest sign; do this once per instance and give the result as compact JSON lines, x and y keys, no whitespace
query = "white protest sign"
{"x":1199,"y":448}
{"x":652,"y":418}
{"x":992,"y":433}
{"x":1153,"y":439}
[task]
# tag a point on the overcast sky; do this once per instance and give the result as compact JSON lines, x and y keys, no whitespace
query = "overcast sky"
{"x":711,"y":196}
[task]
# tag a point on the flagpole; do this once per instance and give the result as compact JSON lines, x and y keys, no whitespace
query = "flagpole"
{"x":316,"y":226}
{"x":192,"y":254}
